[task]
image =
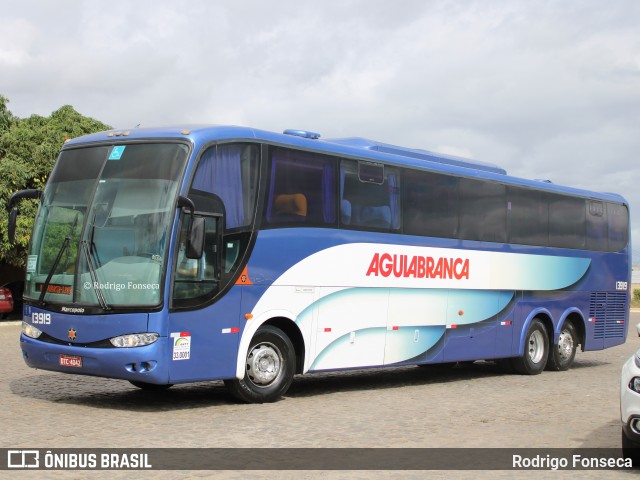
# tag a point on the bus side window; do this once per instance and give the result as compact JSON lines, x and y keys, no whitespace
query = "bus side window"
{"x":483,"y":210}
{"x":301,"y":189}
{"x":231,"y":254}
{"x":430,"y":204}
{"x":196,"y":279}
{"x":369,"y":197}
{"x":567,"y":221}
{"x":618,"y":222}
{"x":596,"y":226}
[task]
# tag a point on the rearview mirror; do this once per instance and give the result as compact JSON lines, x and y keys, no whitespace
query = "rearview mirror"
{"x":13,"y":210}
{"x":195,"y":238}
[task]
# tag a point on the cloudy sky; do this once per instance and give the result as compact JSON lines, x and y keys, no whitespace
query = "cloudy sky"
{"x":545,"y":89}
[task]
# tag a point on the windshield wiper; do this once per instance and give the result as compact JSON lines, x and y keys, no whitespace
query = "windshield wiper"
{"x":63,"y":248}
{"x":92,"y":244}
{"x":45,"y":285}
{"x":94,"y":276}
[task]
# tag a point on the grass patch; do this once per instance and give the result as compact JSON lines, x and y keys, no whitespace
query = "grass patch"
{"x":635,"y":298}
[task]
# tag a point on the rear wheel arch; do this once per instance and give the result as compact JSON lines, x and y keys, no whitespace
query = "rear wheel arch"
{"x":544,"y":316}
{"x":535,"y":348}
{"x":578,"y":321}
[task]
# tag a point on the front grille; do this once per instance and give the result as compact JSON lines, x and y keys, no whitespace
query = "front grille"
{"x":99,"y":344}
{"x":609,"y":310}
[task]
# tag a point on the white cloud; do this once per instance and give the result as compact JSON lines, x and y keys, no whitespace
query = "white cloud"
{"x":544,"y":89}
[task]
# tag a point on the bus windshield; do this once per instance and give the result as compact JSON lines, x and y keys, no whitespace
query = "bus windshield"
{"x":101,"y":234}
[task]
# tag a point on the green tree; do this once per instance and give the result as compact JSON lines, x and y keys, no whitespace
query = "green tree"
{"x":28,"y":149}
{"x":5,"y":115}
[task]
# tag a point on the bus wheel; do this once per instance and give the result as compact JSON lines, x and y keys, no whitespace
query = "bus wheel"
{"x":270,"y":365}
{"x":150,"y":386}
{"x":536,"y":350}
{"x":562,"y":355}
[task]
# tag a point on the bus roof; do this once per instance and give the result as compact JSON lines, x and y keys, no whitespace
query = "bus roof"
{"x":356,"y":147}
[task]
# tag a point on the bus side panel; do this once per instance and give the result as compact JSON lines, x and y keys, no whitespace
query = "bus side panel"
{"x":351,"y":329}
{"x":205,"y":341}
{"x":474,"y":319}
{"x":506,"y":337}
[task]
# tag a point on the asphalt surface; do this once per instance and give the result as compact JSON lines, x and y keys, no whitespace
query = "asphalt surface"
{"x":474,"y":405}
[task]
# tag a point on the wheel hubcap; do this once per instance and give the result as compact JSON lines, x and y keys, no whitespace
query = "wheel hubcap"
{"x":536,"y":347}
{"x":263,"y":364}
{"x":565,"y":345}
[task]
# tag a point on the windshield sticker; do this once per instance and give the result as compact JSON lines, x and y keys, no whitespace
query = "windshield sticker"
{"x":181,"y":345}
{"x":32,"y":261}
{"x":116,"y":153}
{"x":55,"y":288}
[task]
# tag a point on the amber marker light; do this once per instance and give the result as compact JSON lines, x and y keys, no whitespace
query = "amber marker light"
{"x":248,"y":316}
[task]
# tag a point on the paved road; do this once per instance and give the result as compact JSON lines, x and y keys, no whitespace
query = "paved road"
{"x":470,"y":406}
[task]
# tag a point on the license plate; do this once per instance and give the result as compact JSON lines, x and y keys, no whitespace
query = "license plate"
{"x":70,"y":361}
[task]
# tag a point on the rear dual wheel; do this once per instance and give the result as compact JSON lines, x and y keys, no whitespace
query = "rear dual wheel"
{"x":562,"y":355}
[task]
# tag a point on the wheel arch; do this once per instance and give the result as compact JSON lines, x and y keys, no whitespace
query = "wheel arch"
{"x":280,"y":319}
{"x":545,"y":317}
{"x":575,"y":316}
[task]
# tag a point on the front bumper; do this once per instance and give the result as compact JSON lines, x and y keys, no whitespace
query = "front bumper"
{"x":143,"y":364}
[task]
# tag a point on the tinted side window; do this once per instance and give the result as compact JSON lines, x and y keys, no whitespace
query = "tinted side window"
{"x":596,"y":226}
{"x":483,"y":211}
{"x":528,"y":216}
{"x":430,"y":204}
{"x":567,"y":222}
{"x":618,"y":219}
{"x":302,"y":189}
{"x":231,"y":173}
{"x":366,"y":204}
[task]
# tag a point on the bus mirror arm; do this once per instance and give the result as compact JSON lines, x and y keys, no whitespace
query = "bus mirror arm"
{"x":195,"y":232}
{"x":13,"y":210}
{"x":184,"y":202}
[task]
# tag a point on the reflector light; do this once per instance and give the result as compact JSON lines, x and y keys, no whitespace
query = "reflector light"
{"x":302,"y":133}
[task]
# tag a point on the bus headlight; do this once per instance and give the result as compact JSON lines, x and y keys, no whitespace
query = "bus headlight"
{"x":134,"y":340}
{"x":634,"y":384}
{"x":30,"y":331}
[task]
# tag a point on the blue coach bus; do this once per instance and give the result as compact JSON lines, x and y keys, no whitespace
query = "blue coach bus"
{"x":166,"y":256}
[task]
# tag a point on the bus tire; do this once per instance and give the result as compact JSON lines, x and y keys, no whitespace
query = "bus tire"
{"x":536,"y":350}
{"x":561,"y":355}
{"x":269,"y":368}
{"x":150,"y":386}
